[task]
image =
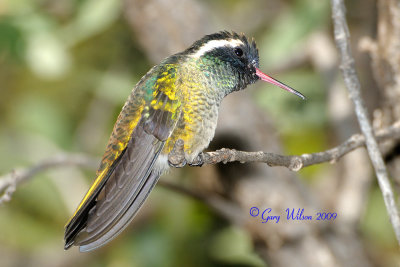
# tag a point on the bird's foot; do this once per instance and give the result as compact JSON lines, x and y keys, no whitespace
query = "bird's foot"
{"x":179,"y":164}
{"x":198,"y":161}
{"x":176,"y":158}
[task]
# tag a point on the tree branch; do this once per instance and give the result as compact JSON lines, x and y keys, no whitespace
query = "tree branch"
{"x":347,"y":67}
{"x":230,"y":211}
{"x":10,"y":181}
{"x":293,"y":163}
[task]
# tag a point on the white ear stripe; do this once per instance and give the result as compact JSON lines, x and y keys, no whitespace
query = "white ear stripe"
{"x":210,"y":45}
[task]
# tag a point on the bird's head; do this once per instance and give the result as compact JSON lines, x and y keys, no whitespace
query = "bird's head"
{"x":237,"y":54}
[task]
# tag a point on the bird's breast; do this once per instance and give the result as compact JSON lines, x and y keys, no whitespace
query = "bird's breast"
{"x":197,"y":122}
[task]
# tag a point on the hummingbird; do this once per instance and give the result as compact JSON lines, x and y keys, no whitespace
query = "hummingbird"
{"x":177,"y":99}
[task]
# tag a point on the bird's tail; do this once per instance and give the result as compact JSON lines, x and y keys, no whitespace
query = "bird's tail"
{"x":89,"y":241}
{"x":115,"y":200}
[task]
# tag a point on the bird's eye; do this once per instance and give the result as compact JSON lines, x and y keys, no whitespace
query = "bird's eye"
{"x":238,"y":52}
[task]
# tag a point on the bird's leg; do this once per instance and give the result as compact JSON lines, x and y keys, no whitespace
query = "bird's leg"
{"x":198,"y":161}
{"x":176,"y":158}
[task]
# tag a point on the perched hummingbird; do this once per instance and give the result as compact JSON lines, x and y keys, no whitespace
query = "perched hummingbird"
{"x":177,"y":99}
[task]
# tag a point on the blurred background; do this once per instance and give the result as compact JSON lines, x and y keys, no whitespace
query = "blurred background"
{"x":67,"y":67}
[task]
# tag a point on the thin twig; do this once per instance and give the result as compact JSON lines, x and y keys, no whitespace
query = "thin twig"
{"x":9,"y":181}
{"x":347,"y":66}
{"x":224,"y":208}
{"x":293,"y":163}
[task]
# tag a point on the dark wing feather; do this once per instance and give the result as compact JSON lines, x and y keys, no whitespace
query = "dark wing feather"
{"x":160,"y":120}
{"x":127,"y":216}
{"x":131,"y":177}
{"x":78,"y":221}
{"x":124,"y":192}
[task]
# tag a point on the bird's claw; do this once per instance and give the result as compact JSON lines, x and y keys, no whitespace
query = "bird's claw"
{"x":179,"y":164}
{"x":198,"y":161}
{"x":176,"y":158}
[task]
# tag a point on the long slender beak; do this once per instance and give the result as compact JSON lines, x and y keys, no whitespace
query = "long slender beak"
{"x":269,"y":79}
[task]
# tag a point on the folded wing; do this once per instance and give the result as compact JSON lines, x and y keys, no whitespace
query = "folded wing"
{"x":117,"y":195}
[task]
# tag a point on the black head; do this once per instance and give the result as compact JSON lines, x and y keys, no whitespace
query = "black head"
{"x":240,"y":54}
{"x":236,"y":52}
